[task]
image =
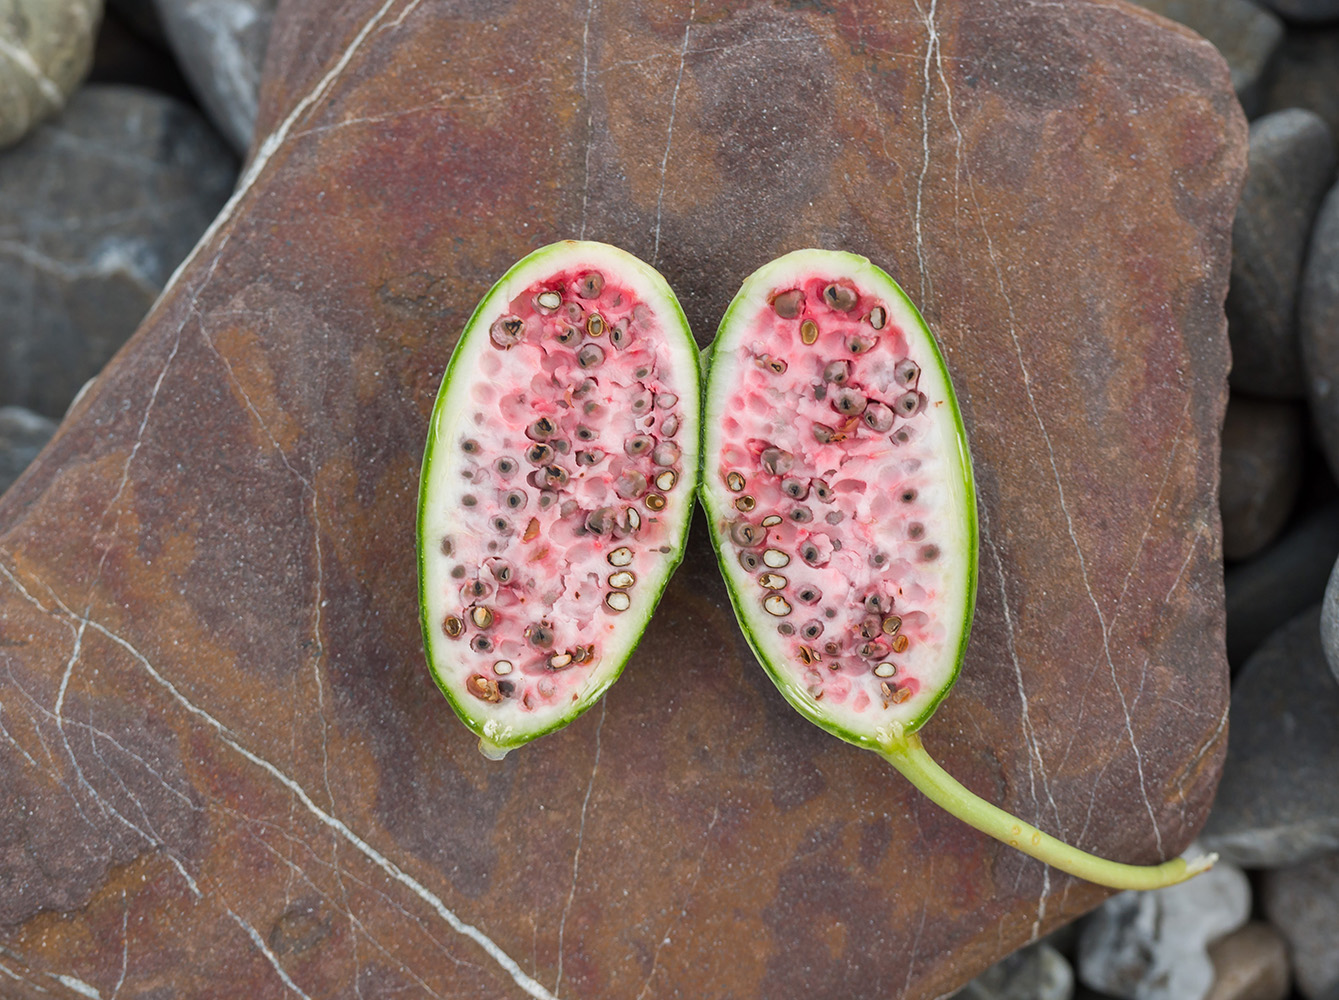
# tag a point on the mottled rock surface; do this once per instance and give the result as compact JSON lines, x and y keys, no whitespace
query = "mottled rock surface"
{"x":97,"y":208}
{"x":216,"y":708}
{"x":220,"y":44}
{"x":1278,"y":803}
{"x":22,"y":435}
{"x":46,"y":47}
{"x":1291,"y":164}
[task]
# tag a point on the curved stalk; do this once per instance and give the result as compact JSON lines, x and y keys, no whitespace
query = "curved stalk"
{"x":909,"y":756}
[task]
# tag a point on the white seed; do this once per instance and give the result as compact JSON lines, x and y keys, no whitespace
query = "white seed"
{"x":772,"y":581}
{"x":775,"y":558}
{"x":622,"y":580}
{"x":617,"y":600}
{"x":483,"y":617}
{"x":502,"y":668}
{"x":549,"y":300}
{"x":559,"y":660}
{"x":666,"y":480}
{"x":621,"y":556}
{"x":776,"y":605}
{"x":634,"y":519}
{"x":734,"y":482}
{"x":885,"y":670}
{"x":771,"y":520}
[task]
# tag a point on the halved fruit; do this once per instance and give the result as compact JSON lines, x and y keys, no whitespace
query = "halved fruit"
{"x":557,"y":486}
{"x":838,"y":487}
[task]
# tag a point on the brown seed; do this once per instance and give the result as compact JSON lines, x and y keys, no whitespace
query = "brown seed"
{"x":915,"y":530}
{"x":906,"y":371}
{"x":654,"y":501}
{"x":776,"y":605}
{"x":448,"y":545}
{"x":469,"y":500}
{"x":839,"y":297}
{"x":541,"y":429}
{"x":590,"y":285}
{"x":891,"y":624}
{"x":876,"y":603}
{"x":482,"y":617}
{"x":775,"y":558}
{"x":837,"y":372}
{"x":745,"y":535}
{"x":885,"y":670}
{"x":457,"y":572}
{"x":745,"y":503}
{"x":621,"y":556}
{"x":772,"y":581}
{"x":787,"y":305}
{"x":622,"y":580}
{"x":786,"y":628}
{"x":795,"y":488}
{"x":630,"y":484}
{"x":666,"y":480}
{"x":590,"y":355}
{"x":749,"y":560}
{"x":929,"y":553}
{"x":808,"y":657}
{"x":555,"y":477}
{"x":548,"y":301}
{"x":900,"y":643}
{"x":878,"y":417}
{"x":454,"y":627}
{"x":849,"y":402}
{"x":617,"y":600}
{"x":877,"y":317}
{"x":808,"y":331}
{"x":899,"y":695}
{"x":484,"y":688}
{"x":531,"y":530}
{"x":771,"y":520}
{"x":734,"y":482}
{"x":583,"y":654}
{"x":595,"y":327}
{"x":506,"y":331}
{"x":909,"y":403}
{"x":832,"y":648}
{"x":470,"y":446}
{"x":638,"y":445}
{"x":869,"y":627}
{"x":776,"y":461}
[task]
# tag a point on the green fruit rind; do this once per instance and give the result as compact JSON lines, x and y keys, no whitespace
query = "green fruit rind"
{"x":496,"y":740}
{"x":957,"y":611}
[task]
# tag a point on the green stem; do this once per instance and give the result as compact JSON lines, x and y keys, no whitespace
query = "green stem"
{"x":909,"y":756}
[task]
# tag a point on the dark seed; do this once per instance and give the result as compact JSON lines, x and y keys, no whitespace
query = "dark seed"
{"x":749,"y":560}
{"x":877,"y":559}
{"x":475,"y":590}
{"x":590,"y":285}
{"x":824,"y":434}
{"x":877,"y":317}
{"x":808,"y":331}
{"x":776,"y":461}
{"x":812,"y":629}
{"x":454,"y":627}
{"x":929,"y":553}
{"x":541,"y":429}
{"x":878,"y":417}
{"x":900,"y":436}
{"x":907,"y":495}
{"x":516,"y":500}
{"x":585,"y":433}
{"x":906,"y":371}
{"x":787,"y":304}
{"x":568,"y":335}
{"x":638,"y":444}
{"x":589,"y":457}
{"x":590,"y":355}
{"x":915,"y":530}
{"x":555,"y":477}
{"x":539,"y":454}
{"x":801,"y":515}
{"x":810,"y":554}
{"x":619,"y":335}
{"x":469,"y":500}
{"x":448,"y":545}
{"x":470,"y":446}
{"x":832,"y":648}
{"x":501,"y":570}
{"x":821,"y":490}
{"x":601,"y":521}
{"x":457,"y":572}
{"x":506,"y":467}
{"x":837,"y":372}
{"x":876,"y":603}
{"x":857,"y":344}
{"x":481,"y":644}
{"x":786,"y":628}
{"x":849,"y":402}
{"x":501,"y":525}
{"x":506,"y":331}
{"x":839,"y":297}
{"x":909,"y":403}
{"x":775,"y":365}
{"x":869,"y":627}
{"x":630,"y":485}
{"x":820,"y":393}
{"x":546,"y":499}
{"x":809,"y":594}
{"x":539,"y":635}
{"x":641,"y":404}
{"x":796,"y":489}
{"x":745,"y":535}
{"x":871,"y":651}
{"x":834,"y":517}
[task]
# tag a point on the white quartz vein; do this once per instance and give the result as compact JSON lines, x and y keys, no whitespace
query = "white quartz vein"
{"x":264,"y":949}
{"x":24,"y":60}
{"x":576,"y":854}
{"x":931,"y":48}
{"x":590,"y":121}
{"x":669,"y":131}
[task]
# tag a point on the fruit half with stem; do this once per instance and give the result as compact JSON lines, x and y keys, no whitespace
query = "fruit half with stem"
{"x":839,"y":493}
{"x":557,"y":486}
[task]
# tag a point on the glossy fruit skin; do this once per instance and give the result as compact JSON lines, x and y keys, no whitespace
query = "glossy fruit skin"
{"x":567,"y":255}
{"x":756,"y":289}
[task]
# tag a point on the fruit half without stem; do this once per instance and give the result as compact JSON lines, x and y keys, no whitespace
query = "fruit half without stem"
{"x":557,"y":486}
{"x":839,"y":494}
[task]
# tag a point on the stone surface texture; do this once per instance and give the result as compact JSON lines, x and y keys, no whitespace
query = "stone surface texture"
{"x":233,"y":763}
{"x":1262,"y":471}
{"x":1154,"y":945}
{"x":1318,"y":326}
{"x":46,"y":47}
{"x":1292,"y":162}
{"x":97,"y":208}
{"x":1250,"y":964}
{"x":220,"y":44}
{"x":1303,"y":903}
{"x":1278,"y":803}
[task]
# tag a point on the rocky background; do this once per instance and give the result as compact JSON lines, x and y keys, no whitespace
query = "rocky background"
{"x":126,"y":133}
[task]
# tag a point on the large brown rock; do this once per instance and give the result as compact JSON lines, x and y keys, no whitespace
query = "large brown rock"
{"x":226,"y":769}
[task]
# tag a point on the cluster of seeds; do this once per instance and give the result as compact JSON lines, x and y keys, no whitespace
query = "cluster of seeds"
{"x":568,"y":460}
{"x":828,"y":518}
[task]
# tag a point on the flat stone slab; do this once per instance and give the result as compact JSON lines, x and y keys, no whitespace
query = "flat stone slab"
{"x":231,"y":762}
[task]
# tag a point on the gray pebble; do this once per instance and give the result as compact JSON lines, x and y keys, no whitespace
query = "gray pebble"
{"x":1329,"y":623}
{"x":1291,"y":163}
{"x":1305,"y":74}
{"x":1318,"y":326}
{"x":22,"y":435}
{"x":1303,"y":903}
{"x":97,"y":208}
{"x":1261,"y":471}
{"x":1037,"y":972}
{"x":1307,"y":11}
{"x":1278,"y":801}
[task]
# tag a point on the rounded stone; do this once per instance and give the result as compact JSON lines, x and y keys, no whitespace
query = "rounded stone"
{"x":1250,"y":964}
{"x":1262,"y":471}
{"x":46,"y":47}
{"x":1305,"y":74}
{"x":1291,"y":163}
{"x":1307,"y":11}
{"x":1318,"y":326}
{"x":1303,"y":903}
{"x":1329,"y":623}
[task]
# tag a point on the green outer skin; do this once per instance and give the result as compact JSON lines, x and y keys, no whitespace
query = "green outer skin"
{"x":462,"y":709}
{"x":859,"y":269}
